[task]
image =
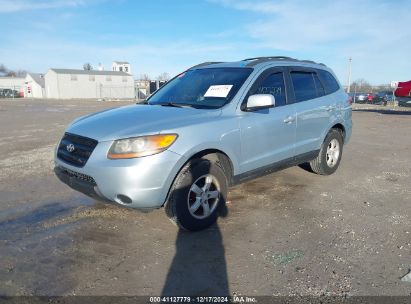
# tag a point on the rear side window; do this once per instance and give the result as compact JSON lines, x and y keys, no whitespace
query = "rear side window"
{"x":274,"y":85}
{"x":319,"y":86}
{"x":331,"y":85}
{"x":304,"y":86}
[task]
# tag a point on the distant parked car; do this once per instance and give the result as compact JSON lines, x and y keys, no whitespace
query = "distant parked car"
{"x":370,"y":98}
{"x":9,"y":93}
{"x":361,"y":97}
{"x":404,"y":89}
{"x":382,"y":97}
{"x":6,"y":93}
{"x":404,"y":101}
{"x":403,"y":93}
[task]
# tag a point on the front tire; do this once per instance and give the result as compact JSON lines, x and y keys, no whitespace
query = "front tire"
{"x":329,"y":157}
{"x":197,"y":195}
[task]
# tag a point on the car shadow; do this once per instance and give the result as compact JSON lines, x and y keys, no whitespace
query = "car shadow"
{"x":306,"y":167}
{"x":199,"y":267}
{"x":383,"y":111}
{"x":33,"y":219}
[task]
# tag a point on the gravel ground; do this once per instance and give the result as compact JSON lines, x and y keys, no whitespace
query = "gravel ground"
{"x":288,"y":233}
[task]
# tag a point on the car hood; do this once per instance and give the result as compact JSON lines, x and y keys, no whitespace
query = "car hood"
{"x":136,"y":120}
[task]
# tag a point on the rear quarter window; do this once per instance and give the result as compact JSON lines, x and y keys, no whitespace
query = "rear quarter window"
{"x":331,"y":84}
{"x":319,"y":86}
{"x":304,"y":86}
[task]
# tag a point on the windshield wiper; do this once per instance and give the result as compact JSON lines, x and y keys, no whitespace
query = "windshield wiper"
{"x":169,"y":104}
{"x":174,"y":104}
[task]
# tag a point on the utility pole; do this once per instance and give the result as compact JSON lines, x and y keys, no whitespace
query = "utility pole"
{"x":349,"y":74}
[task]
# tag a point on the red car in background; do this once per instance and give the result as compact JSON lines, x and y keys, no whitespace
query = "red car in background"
{"x":404,"y":89}
{"x":403,"y":92}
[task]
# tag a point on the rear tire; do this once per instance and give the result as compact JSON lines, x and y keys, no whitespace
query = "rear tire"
{"x":197,"y":195}
{"x":329,"y":157}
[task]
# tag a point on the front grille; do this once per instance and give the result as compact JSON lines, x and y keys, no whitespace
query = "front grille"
{"x":77,"y":175}
{"x":75,"y":150}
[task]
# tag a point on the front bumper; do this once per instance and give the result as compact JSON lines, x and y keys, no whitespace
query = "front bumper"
{"x":78,"y":182}
{"x":141,"y":183}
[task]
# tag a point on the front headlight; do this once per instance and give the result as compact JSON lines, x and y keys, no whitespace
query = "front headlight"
{"x":140,"y":146}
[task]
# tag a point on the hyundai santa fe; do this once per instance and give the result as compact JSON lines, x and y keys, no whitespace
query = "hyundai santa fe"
{"x":213,"y":126}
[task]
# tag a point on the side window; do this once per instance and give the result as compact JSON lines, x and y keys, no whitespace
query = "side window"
{"x":331,"y":85}
{"x":273,"y":84}
{"x":304,"y":86}
{"x":319,"y":86}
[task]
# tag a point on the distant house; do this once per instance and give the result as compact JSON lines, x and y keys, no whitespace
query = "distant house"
{"x":34,"y":86}
{"x":121,"y":66}
{"x":69,"y":84}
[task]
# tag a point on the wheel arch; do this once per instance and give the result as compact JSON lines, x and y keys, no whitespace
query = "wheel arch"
{"x":335,"y":125}
{"x":341,"y":128}
{"x":220,"y":157}
{"x":212,"y":154}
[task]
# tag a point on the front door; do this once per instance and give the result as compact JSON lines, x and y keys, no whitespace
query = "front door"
{"x":268,"y":135}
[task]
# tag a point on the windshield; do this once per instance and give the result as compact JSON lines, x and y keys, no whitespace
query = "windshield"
{"x":202,"y":88}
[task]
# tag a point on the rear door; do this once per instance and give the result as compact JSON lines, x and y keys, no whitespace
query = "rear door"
{"x":268,"y":135}
{"x":313,"y":109}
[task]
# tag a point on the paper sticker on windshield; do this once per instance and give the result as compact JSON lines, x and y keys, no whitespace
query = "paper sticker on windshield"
{"x":218,"y":91}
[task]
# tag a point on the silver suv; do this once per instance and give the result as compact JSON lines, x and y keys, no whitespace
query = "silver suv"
{"x":213,"y":126}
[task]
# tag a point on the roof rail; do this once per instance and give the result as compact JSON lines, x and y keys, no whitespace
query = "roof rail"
{"x":204,"y":64}
{"x":308,"y":61}
{"x":257,"y":60}
{"x":270,"y":57}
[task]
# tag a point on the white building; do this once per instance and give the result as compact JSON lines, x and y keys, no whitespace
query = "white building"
{"x":34,"y":86}
{"x":69,"y":84}
{"x":121,"y":66}
{"x":14,"y":83}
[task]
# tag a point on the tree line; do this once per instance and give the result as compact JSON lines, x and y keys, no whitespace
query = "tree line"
{"x":5,"y":72}
{"x":363,"y":86}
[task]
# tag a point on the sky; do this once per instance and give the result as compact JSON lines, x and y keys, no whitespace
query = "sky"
{"x":170,"y":36}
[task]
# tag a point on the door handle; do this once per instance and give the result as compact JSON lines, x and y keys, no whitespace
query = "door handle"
{"x":289,"y":119}
{"x":330,"y":108}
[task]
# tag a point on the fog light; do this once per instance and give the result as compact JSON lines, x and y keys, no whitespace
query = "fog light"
{"x":123,"y":199}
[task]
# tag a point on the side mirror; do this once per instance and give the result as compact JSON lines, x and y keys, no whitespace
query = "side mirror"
{"x":260,"y":101}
